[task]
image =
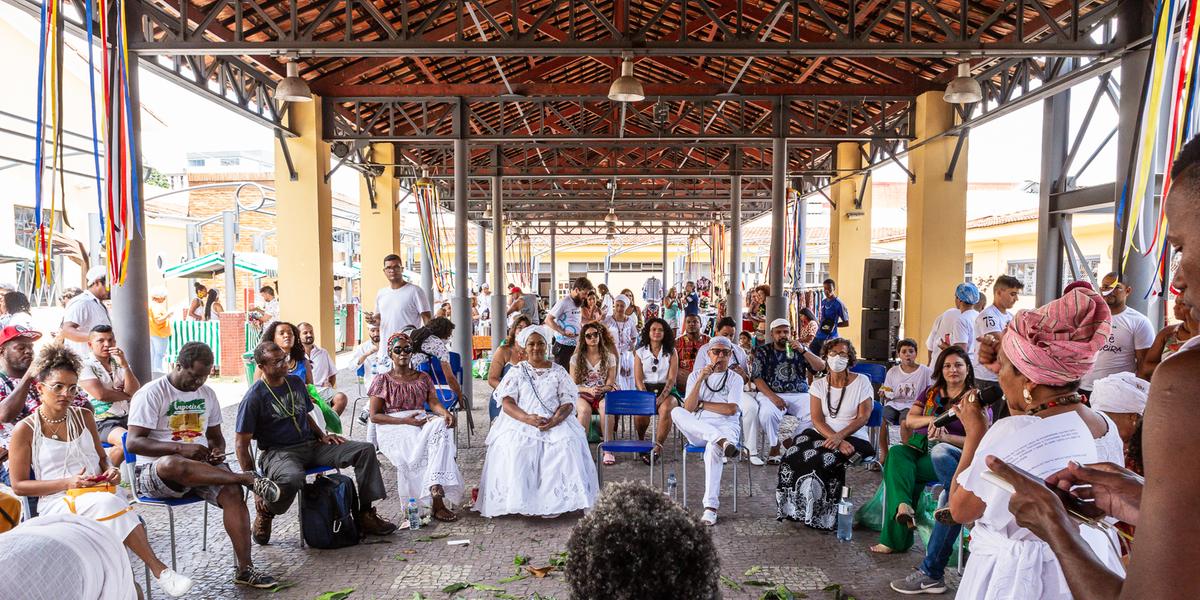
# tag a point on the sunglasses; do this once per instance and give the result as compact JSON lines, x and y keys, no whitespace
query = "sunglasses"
{"x":591,"y":335}
{"x":654,"y":366}
{"x":398,"y":349}
{"x":720,"y":351}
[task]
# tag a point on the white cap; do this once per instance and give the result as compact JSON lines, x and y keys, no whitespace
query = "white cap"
{"x":720,"y":342}
{"x":158,"y":292}
{"x":780,"y":322}
{"x":96,"y":273}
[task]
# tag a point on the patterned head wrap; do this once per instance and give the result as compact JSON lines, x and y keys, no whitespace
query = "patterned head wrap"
{"x":1056,"y":344}
{"x":395,"y":337}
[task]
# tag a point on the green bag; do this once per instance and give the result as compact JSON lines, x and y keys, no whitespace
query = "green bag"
{"x":333,"y":423}
{"x":870,"y":514}
{"x":595,"y":436}
{"x":481,"y":366}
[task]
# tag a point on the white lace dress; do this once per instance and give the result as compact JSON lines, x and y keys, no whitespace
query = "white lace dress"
{"x":1008,"y":562}
{"x":533,"y":472}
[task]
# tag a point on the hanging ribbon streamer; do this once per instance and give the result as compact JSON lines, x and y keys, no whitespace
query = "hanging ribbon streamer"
{"x":428,"y":207}
{"x":122,"y":184}
{"x":48,"y":150}
{"x":717,"y":256}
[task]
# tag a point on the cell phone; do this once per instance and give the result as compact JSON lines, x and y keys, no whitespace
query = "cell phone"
{"x":1080,"y":509}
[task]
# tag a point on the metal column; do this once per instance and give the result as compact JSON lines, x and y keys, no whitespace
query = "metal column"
{"x":481,"y":256}
{"x":736,"y":297}
{"x":802,"y":216}
{"x":553,"y":268}
{"x":229,"y":226}
{"x":1055,"y":124}
{"x":131,"y":323}
{"x":499,"y":289}
{"x":461,"y":308}
{"x":777,"y":301}
{"x":665,"y":282}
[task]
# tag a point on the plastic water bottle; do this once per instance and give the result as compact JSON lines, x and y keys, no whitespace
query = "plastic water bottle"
{"x":845,"y":516}
{"x":671,"y":485}
{"x":414,"y":514}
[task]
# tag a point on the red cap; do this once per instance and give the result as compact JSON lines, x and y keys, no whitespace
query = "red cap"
{"x":13,"y":332}
{"x":514,"y":290}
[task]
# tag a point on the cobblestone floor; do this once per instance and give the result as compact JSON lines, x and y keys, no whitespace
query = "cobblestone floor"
{"x":400,"y":565}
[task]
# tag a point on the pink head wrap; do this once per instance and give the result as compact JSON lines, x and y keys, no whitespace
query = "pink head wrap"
{"x":1056,"y":344}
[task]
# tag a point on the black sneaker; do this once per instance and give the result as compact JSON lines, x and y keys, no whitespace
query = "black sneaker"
{"x":919,"y":583}
{"x":254,"y":578}
{"x":363,"y":417}
{"x":266,"y":489}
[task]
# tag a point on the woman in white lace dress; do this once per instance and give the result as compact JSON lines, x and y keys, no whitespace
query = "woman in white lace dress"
{"x":419,"y":445}
{"x":537,"y":458}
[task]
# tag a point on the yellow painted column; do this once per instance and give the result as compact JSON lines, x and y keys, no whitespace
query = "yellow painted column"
{"x":304,"y":218}
{"x":935,"y":247}
{"x":850,"y":237}
{"x":379,"y":225}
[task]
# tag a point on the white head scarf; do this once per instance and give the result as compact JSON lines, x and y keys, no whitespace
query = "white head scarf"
{"x":541,"y":330}
{"x":1120,"y":393}
{"x":626,"y":299}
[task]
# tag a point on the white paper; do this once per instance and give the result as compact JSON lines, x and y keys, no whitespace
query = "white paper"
{"x":1046,"y":447}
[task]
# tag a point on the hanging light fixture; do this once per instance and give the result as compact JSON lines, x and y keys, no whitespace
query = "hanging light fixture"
{"x":293,"y":88}
{"x":487,"y":212}
{"x":963,"y":89}
{"x":611,"y":217}
{"x":626,"y":88}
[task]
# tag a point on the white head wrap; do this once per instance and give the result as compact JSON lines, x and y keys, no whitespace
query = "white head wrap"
{"x":1120,"y":393}
{"x":541,"y":330}
{"x":626,"y":299}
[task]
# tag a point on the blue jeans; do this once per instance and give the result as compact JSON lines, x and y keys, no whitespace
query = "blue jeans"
{"x":941,"y":540}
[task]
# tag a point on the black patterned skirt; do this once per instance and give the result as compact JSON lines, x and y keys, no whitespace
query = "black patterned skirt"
{"x":811,"y":479}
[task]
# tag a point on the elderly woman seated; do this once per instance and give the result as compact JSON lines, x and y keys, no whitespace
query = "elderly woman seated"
{"x":420,"y":446}
{"x":537,"y":458}
{"x":71,"y":474}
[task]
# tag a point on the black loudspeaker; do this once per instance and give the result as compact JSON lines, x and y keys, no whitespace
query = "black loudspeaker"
{"x":880,"y":332}
{"x":881,"y":284}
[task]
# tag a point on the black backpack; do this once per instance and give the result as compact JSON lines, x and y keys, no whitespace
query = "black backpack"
{"x":327,"y":508}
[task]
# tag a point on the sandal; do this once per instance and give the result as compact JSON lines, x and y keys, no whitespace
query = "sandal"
{"x":609,"y":460}
{"x":445,"y":515}
{"x":943,"y":516}
{"x":656,"y":452}
{"x":905,"y":516}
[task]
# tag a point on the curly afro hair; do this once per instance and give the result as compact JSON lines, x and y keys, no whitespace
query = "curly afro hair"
{"x":55,"y":357}
{"x":638,"y":544}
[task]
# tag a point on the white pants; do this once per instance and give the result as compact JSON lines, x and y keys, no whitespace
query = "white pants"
{"x":770,"y":416}
{"x":750,"y":427}
{"x":707,"y":429}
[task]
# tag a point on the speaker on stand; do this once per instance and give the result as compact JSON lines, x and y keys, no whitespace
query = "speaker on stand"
{"x":881,"y":309}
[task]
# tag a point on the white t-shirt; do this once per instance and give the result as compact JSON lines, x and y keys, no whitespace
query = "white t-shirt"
{"x":991,"y":320}
{"x":173,"y":415}
{"x":858,"y":391}
{"x":714,"y":392}
{"x":904,"y":387}
{"x":652,"y":373}
{"x":86,"y":311}
{"x":323,"y":366}
{"x":367,"y":350}
{"x":398,"y":308}
{"x":957,"y":324}
{"x":568,"y":317}
{"x":1131,"y":331}
{"x":93,"y":369}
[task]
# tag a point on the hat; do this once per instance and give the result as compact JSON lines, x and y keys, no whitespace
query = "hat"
{"x":523,"y":336}
{"x":1120,"y":393}
{"x":720,"y":342}
{"x":158,"y":292}
{"x":967,"y":292}
{"x":1079,"y":283}
{"x":780,"y":322}
{"x":96,"y":273}
{"x":514,"y":290}
{"x":1056,"y":344}
{"x":13,"y":332}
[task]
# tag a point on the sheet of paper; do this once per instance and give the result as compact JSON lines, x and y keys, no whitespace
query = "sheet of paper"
{"x":1045,"y":447}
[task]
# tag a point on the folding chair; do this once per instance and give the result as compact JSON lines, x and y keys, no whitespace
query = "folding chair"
{"x":446,"y":396}
{"x":169,"y":503}
{"x":361,"y":373}
{"x":317,"y":470}
{"x":698,"y":449}
{"x":629,"y":403}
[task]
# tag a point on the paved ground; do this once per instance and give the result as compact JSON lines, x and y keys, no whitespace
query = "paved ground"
{"x":402,"y":564}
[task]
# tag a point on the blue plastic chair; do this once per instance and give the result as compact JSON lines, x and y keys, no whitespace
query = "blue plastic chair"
{"x":446,"y":395}
{"x":876,"y":373}
{"x":628,"y":403}
{"x":361,"y":374}
{"x":697,"y":449}
{"x":169,"y":503}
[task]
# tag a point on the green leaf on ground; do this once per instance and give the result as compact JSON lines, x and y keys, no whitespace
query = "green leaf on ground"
{"x":520,"y":559}
{"x":833,"y":587}
{"x":483,"y":587}
{"x":755,"y":570}
{"x":781,"y":592}
{"x":283,"y":585}
{"x":418,"y":596}
{"x":730,"y":583}
{"x":456,"y":587}
{"x":338,"y":595}
{"x":759,"y":583}
{"x":401,"y":558}
{"x":559,"y":560}
{"x":517,"y":577}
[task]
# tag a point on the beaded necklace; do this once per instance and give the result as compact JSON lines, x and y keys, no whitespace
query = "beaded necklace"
{"x":1067,"y":401}
{"x":290,"y":409}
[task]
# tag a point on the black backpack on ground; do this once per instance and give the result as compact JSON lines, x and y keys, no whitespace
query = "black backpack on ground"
{"x":327,"y":508}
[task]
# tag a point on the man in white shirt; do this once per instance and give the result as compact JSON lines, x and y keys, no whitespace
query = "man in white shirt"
{"x":401,"y":304}
{"x":956,"y":326}
{"x":269,"y":311}
{"x":1132,"y":335}
{"x":324,"y":369}
{"x":564,"y":319}
{"x":175,"y":431}
{"x":485,"y":302}
{"x":606,"y":301}
{"x":993,"y":319}
{"x":738,"y":363}
{"x":86,"y":311}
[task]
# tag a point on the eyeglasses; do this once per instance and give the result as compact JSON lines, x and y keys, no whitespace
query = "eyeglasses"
{"x":591,"y":335}
{"x":59,"y":389}
{"x":398,"y":349}
{"x":720,"y":351}
{"x":841,"y":353}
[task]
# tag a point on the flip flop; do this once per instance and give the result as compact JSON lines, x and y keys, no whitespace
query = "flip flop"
{"x":452,"y":518}
{"x":609,"y":459}
{"x":906,"y":517}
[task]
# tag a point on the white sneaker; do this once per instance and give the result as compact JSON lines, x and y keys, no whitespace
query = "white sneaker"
{"x":756,"y":461}
{"x":174,"y":584}
{"x":710,"y":517}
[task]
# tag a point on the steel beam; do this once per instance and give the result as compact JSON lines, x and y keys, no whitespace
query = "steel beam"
{"x":1096,"y":198}
{"x":499,"y":277}
{"x":1055,"y":132}
{"x":777,"y":301}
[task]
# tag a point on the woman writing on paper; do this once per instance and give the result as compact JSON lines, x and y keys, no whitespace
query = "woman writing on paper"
{"x":1042,"y":356}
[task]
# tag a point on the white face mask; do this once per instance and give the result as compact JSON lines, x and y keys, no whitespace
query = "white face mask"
{"x":837,"y":364}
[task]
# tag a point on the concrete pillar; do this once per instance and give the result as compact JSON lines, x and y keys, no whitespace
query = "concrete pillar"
{"x":480,"y":255}
{"x":499,"y":281}
{"x":553,"y":267}
{"x":230,"y":228}
{"x":461,"y":307}
{"x":379,"y":225}
{"x":304,"y":207}
{"x":130,"y":321}
{"x":935,"y":250}
{"x":736,"y":297}
{"x":777,"y":301}
{"x":850,"y":236}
